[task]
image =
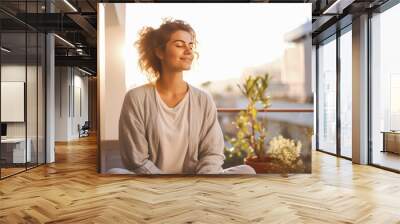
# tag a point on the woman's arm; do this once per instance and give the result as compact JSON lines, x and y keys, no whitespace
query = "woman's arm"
{"x":211,"y":145}
{"x":134,"y":147}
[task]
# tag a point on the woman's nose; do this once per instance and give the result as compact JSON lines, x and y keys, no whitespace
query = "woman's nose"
{"x":188,"y":53}
{"x":188,"y":49}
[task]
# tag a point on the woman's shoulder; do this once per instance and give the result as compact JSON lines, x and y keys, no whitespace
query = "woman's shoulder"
{"x":139,"y":92}
{"x":200,"y":93}
{"x":202,"y":96}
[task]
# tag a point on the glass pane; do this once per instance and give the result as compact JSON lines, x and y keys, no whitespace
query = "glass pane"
{"x":41,"y":98}
{"x":13,"y":89}
{"x":31,"y":98}
{"x":327,"y":96}
{"x":31,"y":84}
{"x":386,"y":89}
{"x":346,"y":94}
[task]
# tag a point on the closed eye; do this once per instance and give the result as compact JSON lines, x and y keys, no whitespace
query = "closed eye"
{"x":180,"y":43}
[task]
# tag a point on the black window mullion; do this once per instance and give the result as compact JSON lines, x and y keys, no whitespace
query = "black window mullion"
{"x":45,"y":92}
{"x":338,"y":74}
{"x":316,"y":96}
{"x":369,"y":96}
{"x":37,"y":90}
{"x":26,"y":87}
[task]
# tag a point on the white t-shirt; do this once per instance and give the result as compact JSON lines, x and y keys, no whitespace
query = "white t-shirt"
{"x":173,"y":130}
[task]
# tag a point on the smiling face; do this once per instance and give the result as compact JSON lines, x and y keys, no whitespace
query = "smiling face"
{"x":178,"y":52}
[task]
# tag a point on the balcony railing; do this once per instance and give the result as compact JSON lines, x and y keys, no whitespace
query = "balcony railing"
{"x":279,"y":110}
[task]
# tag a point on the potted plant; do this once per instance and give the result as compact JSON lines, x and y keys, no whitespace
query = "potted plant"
{"x":283,"y":155}
{"x":286,"y":154}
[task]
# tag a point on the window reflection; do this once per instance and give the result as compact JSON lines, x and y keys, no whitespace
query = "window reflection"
{"x":385,"y":84}
{"x":346,"y":94}
{"x":22,"y":91}
{"x":327,"y":96}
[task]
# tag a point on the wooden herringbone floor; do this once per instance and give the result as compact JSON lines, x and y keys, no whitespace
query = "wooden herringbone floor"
{"x":70,"y":191}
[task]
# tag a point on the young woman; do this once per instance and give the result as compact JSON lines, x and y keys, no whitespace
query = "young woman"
{"x":168,"y":126}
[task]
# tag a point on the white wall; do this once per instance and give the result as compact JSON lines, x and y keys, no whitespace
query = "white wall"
{"x":12,"y":73}
{"x":33,"y":126}
{"x":70,"y":83}
{"x":61,"y":103}
{"x":112,"y":73}
{"x":111,"y":78}
{"x":79,"y":117}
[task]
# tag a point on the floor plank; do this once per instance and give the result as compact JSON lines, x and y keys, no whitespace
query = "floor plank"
{"x":70,"y":191}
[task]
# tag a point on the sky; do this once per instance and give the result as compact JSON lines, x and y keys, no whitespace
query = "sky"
{"x":231,"y":37}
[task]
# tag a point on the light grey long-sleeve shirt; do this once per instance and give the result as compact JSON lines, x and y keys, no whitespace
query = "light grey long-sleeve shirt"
{"x":139,"y":139}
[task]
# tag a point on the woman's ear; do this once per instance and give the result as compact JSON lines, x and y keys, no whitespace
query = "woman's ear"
{"x":159,"y":53}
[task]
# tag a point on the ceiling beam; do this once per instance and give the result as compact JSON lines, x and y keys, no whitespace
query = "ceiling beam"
{"x":83,"y":61}
{"x":83,"y":23}
{"x":338,"y":6}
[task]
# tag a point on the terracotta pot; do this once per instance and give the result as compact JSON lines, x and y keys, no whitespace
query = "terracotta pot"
{"x":266,"y":165}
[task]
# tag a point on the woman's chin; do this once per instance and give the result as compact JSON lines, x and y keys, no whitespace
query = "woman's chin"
{"x":183,"y":68}
{"x":186,"y":68}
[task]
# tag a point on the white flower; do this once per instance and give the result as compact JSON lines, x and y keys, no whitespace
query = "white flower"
{"x":285,"y":150}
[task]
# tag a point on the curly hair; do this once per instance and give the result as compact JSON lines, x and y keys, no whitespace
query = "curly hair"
{"x":150,"y":39}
